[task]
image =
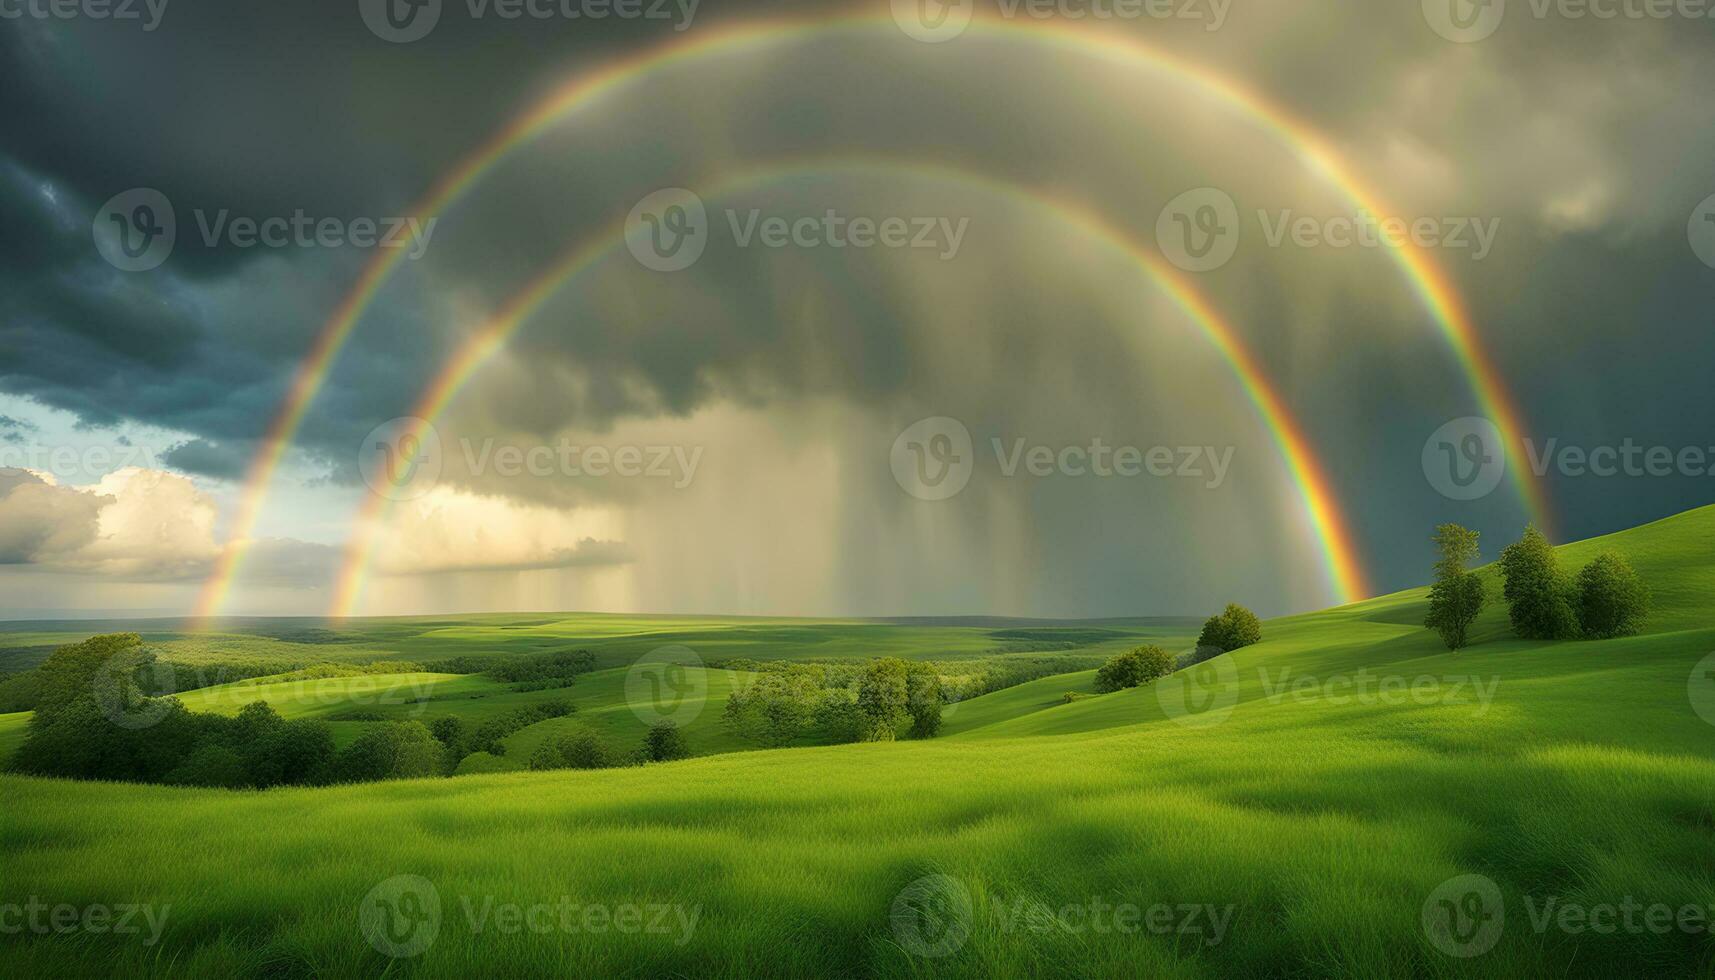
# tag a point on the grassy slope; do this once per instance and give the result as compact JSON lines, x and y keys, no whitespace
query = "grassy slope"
{"x":1327,"y":824}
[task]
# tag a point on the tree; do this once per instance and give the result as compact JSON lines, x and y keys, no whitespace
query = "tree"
{"x":1612,"y":600}
{"x":1134,"y":668}
{"x":923,"y":700}
{"x":390,"y":750}
{"x":1457,"y":595}
{"x":1233,"y":628}
{"x":882,"y":699}
{"x":664,"y":742}
{"x":1538,"y":602}
{"x":773,"y":710}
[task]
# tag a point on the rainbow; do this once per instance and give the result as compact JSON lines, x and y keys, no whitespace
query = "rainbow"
{"x":1430,"y":284}
{"x":1346,"y":577}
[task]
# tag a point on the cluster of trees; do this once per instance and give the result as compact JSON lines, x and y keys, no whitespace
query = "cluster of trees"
{"x":1605,"y":599}
{"x":490,"y":736}
{"x":1232,"y":628}
{"x":95,"y":720}
{"x":872,"y":702}
{"x":583,"y":748}
{"x":1134,"y":668}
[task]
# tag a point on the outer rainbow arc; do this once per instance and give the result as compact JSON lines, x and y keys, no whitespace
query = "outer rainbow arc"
{"x":1429,"y":283}
{"x":1346,"y":577}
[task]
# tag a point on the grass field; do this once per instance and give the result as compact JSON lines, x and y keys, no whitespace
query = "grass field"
{"x":1301,"y":808}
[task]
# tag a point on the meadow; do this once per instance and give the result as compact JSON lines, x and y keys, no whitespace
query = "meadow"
{"x":1309,"y":806}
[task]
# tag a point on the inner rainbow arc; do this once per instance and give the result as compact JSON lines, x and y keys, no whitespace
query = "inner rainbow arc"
{"x":1347,"y":580}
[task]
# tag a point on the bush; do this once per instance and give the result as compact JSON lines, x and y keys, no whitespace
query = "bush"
{"x":1071,"y":696}
{"x":391,"y":750}
{"x":1612,"y":600}
{"x":1235,"y":627}
{"x":1134,"y":668}
{"x":582,"y":749}
{"x":1539,"y":600}
{"x":664,"y":742}
{"x":1197,"y":655}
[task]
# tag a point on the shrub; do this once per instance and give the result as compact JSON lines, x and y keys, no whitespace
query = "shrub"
{"x":1539,"y":600}
{"x":664,"y":742}
{"x":1133,"y":668}
{"x":391,"y":750}
{"x":1197,"y":655}
{"x":582,"y":749}
{"x":1233,"y":628}
{"x":1071,"y":696}
{"x":1612,"y":600}
{"x":1457,"y":595}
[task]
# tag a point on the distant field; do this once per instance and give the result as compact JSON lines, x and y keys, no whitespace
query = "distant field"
{"x":1311,"y":800}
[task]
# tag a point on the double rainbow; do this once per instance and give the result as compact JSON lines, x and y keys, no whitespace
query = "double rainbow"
{"x":1431,"y":285}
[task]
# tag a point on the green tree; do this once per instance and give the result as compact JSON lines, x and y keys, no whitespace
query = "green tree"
{"x":1538,"y":598}
{"x":1233,"y":628}
{"x":1612,"y":600}
{"x":923,"y":700}
{"x":1457,"y":595}
{"x":664,"y":742}
{"x":882,"y":698}
{"x":1134,"y":668}
{"x":390,"y":750}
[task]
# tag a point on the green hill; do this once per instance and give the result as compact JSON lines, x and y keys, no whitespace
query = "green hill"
{"x":1301,"y":808}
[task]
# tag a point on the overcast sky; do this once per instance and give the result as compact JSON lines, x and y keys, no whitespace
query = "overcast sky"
{"x":1561,"y":168}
